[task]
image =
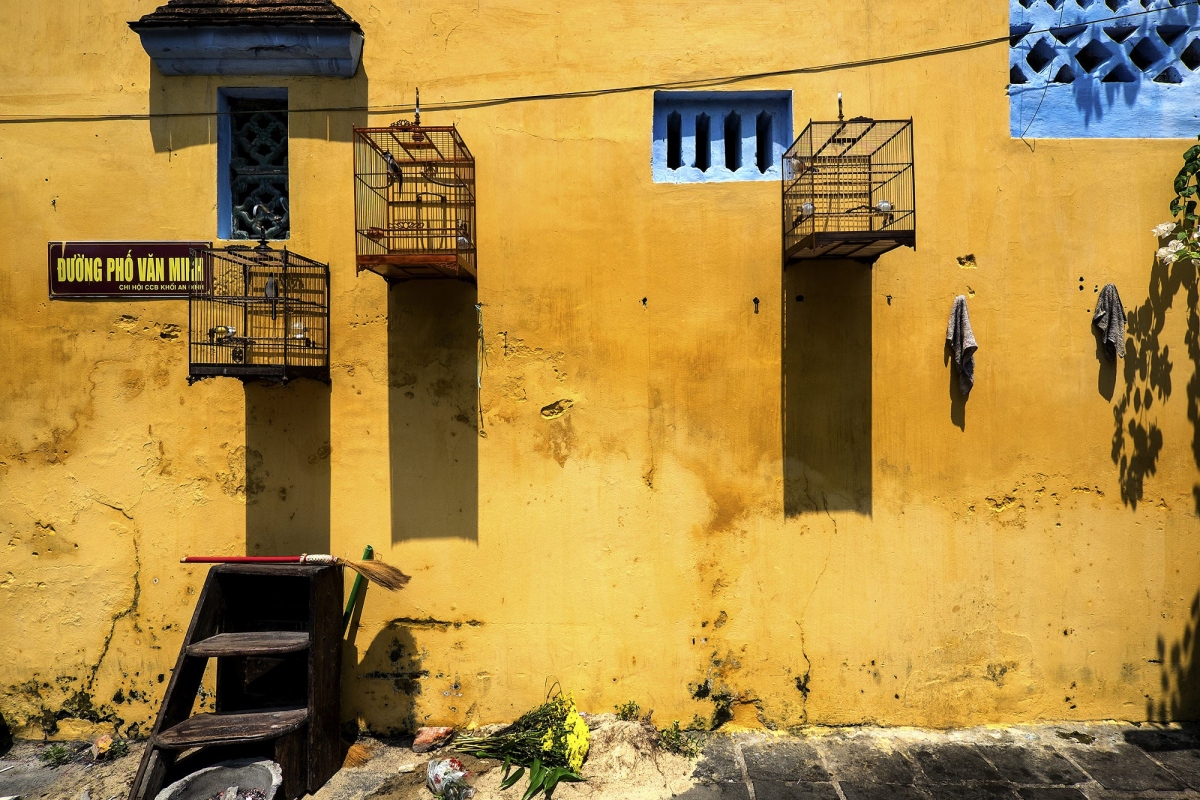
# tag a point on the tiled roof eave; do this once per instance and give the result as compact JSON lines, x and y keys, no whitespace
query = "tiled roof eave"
{"x":241,"y":22}
{"x":247,"y":13}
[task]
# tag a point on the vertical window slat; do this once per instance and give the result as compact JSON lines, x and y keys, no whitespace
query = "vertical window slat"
{"x":733,"y":141}
{"x":674,"y":140}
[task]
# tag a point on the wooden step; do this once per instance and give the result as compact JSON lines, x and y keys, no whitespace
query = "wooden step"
{"x":253,"y":643}
{"x":210,"y":729}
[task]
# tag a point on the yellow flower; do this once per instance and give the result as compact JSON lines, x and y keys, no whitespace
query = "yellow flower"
{"x":548,"y":740}
{"x":578,"y":738}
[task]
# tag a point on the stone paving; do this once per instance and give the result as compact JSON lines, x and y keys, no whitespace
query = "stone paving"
{"x":1072,"y":762}
{"x":1097,"y":761}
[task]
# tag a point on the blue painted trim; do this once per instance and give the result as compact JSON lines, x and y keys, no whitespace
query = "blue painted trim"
{"x":255,"y":50}
{"x":1088,"y":106}
{"x":225,"y":148}
{"x":748,"y":105}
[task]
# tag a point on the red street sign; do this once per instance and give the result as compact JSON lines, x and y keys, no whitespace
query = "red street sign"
{"x":125,"y":269}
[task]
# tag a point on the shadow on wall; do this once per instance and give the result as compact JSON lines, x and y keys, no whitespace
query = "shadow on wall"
{"x":826,"y":364}
{"x":181,"y":107}
{"x":388,"y":678}
{"x":1137,"y":439}
{"x":958,"y":400}
{"x":433,"y":410}
{"x":287,"y":468}
{"x":1180,"y":698}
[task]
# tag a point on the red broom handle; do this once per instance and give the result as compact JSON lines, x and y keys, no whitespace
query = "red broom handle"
{"x":241,"y":559}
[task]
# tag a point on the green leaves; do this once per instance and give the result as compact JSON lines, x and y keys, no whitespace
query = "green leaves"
{"x":509,"y":780}
{"x":1185,"y":184}
{"x":536,"y":776}
{"x":542,"y":779}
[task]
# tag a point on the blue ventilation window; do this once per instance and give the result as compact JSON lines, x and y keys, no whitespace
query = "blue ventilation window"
{"x":1076,"y":72}
{"x":252,"y":164}
{"x":702,"y":137}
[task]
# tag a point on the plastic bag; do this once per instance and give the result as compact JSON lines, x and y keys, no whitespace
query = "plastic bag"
{"x":447,"y":778}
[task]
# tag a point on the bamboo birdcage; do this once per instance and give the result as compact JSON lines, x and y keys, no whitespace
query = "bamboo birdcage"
{"x":848,"y":190}
{"x":414,"y":202}
{"x":263,"y":315}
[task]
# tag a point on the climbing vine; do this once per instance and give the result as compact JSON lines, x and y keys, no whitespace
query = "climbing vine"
{"x":1181,"y":235}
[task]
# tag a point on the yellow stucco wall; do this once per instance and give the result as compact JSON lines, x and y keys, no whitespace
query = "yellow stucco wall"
{"x":788,"y":507}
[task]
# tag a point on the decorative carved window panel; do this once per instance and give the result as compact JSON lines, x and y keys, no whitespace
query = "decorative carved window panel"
{"x":258,"y":168}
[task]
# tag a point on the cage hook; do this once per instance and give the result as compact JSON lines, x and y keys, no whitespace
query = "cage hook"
{"x":841,"y":117}
{"x":417,"y":112}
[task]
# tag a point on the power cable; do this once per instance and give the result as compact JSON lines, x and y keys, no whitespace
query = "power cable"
{"x":695,"y":83}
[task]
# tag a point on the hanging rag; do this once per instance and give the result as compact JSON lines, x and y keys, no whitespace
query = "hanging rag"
{"x":1110,"y":319}
{"x":962,"y":344}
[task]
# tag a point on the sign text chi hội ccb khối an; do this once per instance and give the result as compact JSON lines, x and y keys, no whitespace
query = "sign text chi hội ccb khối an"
{"x":125,"y":269}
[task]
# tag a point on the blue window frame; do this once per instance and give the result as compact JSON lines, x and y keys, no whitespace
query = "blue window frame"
{"x":702,"y":137}
{"x":252,"y":164}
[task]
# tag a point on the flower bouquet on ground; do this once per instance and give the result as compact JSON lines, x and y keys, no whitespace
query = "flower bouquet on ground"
{"x":551,"y":742}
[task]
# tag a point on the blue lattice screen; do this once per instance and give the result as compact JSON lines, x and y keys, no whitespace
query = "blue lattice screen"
{"x":1104,"y":68}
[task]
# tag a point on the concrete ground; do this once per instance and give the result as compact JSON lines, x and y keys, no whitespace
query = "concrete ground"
{"x":1098,"y":761}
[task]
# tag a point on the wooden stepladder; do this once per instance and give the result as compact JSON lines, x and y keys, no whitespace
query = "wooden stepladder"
{"x":275,"y":633}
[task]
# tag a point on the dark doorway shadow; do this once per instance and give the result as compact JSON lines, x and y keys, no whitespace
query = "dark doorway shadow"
{"x":826,"y":366}
{"x":433,"y":410}
{"x":287,"y":468}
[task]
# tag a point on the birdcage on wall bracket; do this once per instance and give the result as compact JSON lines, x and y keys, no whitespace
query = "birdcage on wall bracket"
{"x":263,"y":315}
{"x":414,"y":202}
{"x":848,"y":190}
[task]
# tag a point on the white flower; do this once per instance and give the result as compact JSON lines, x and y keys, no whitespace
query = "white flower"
{"x":1171,"y":253}
{"x":1196,"y":234}
{"x":1166,"y":229}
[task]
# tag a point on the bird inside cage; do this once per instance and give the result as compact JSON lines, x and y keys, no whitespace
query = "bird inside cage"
{"x":221,"y":332}
{"x":807,"y":210}
{"x":888,"y":210}
{"x":395,"y":174}
{"x":271,"y":291}
{"x":464,"y":238}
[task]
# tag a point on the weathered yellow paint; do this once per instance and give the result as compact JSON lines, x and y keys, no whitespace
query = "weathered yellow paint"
{"x":787,"y":508}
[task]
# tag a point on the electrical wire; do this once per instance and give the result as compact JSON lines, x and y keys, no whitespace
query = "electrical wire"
{"x":1061,"y":12}
{"x":694,"y":83}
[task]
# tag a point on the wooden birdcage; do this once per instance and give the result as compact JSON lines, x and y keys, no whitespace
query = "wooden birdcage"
{"x":414,"y":202}
{"x":848,"y":190}
{"x":263,"y":315}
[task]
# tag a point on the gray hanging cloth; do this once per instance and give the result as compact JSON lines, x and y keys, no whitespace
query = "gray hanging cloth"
{"x":962,"y":344}
{"x":1110,"y":319}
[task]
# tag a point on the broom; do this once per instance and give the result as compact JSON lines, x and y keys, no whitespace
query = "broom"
{"x":377,"y":572}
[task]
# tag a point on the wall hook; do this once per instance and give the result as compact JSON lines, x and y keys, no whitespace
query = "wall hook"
{"x":756,"y":305}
